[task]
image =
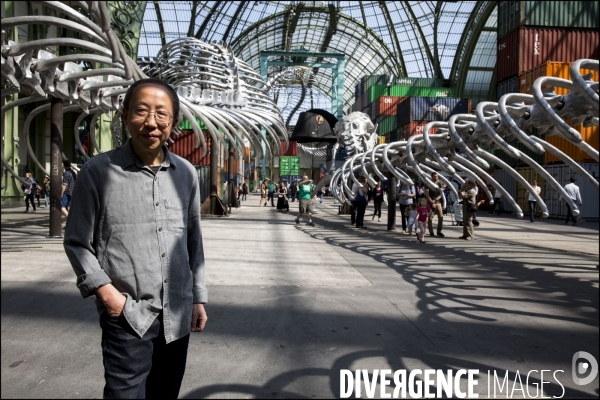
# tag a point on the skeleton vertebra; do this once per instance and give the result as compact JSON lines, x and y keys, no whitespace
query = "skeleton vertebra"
{"x":457,"y":145}
{"x":213,"y":85}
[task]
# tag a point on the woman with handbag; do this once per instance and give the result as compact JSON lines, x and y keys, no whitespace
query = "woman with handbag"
{"x":467,"y":193}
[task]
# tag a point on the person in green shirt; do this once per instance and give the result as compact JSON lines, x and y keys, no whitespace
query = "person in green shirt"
{"x":304,"y":189}
{"x":271,"y":188}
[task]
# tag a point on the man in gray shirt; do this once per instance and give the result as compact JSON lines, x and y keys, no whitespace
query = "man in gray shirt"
{"x":573,"y":192}
{"x":406,"y":196}
{"x":136,"y":244}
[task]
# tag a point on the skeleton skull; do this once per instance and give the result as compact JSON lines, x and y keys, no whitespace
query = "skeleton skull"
{"x":356,"y":132}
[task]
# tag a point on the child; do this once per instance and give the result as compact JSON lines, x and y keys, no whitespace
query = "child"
{"x":411,"y":213}
{"x":423,"y":212}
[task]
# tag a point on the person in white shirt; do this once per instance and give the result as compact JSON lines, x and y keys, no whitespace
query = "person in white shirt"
{"x":497,"y":202}
{"x":573,"y":192}
{"x":532,"y":200}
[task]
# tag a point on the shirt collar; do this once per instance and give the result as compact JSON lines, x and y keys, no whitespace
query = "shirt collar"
{"x":130,"y":158}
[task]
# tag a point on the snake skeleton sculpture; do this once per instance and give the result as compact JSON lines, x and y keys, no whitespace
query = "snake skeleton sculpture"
{"x":457,"y":147}
{"x":213,"y":85}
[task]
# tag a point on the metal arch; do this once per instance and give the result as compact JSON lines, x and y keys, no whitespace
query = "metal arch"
{"x":292,"y":25}
{"x":161,"y":28}
{"x":436,"y":54}
{"x":386,"y":14}
{"x":233,"y":21}
{"x":387,"y":53}
{"x":331,"y":30}
{"x":200,"y":30}
{"x":471,"y":37}
{"x":423,"y":38}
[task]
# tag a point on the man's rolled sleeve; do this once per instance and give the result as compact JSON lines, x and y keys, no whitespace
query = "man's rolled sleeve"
{"x":195,"y":247}
{"x":80,"y":235}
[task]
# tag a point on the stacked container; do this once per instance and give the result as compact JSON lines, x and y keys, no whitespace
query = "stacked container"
{"x":531,"y":33}
{"x":415,"y":112}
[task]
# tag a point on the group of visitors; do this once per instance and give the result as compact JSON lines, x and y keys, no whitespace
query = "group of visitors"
{"x":33,"y":191}
{"x":242,"y":191}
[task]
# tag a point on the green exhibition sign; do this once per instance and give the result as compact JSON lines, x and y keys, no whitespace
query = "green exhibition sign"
{"x":289,"y":165}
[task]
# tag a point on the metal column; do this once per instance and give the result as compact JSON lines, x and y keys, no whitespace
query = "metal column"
{"x":56,"y":144}
{"x":391,"y":224}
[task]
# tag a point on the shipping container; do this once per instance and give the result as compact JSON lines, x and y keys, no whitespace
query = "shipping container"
{"x":386,"y":105}
{"x":368,"y":110}
{"x":203,"y":181}
{"x":374,"y":92}
{"x":589,"y":195}
{"x":385,"y":124}
{"x":514,"y":162}
{"x":183,"y":146}
{"x":388,"y":138}
{"x":551,"y":68}
{"x":589,"y":135}
{"x":392,"y":136}
{"x":368,"y":81}
{"x":550,"y":14}
{"x":403,"y":132}
{"x":431,"y":109}
{"x":292,"y":148}
{"x":523,"y":195}
{"x":509,"y":184}
{"x":527,"y":48}
{"x":510,"y":85}
{"x":382,"y":139}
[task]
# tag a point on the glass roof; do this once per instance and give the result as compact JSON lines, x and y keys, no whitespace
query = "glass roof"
{"x":405,"y":38}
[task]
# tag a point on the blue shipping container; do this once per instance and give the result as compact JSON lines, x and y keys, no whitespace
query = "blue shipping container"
{"x":510,"y":85}
{"x":431,"y":109}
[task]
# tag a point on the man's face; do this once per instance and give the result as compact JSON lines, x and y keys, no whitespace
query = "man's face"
{"x":146,"y":133}
{"x":435,"y":177}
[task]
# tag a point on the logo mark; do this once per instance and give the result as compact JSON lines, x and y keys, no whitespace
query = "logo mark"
{"x":581,"y":367}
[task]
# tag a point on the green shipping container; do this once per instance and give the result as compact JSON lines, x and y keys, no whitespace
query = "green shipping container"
{"x":549,"y":14}
{"x":186,"y":126}
{"x":368,"y":81}
{"x":405,"y":91}
{"x":386,"y":124}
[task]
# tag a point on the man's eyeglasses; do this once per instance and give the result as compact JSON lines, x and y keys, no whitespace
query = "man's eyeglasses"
{"x":162,"y":118}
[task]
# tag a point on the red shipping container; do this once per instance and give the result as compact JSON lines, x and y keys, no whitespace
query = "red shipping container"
{"x":183,"y":146}
{"x":292,"y":148}
{"x":527,"y":48}
{"x":386,"y":105}
{"x":413,"y":128}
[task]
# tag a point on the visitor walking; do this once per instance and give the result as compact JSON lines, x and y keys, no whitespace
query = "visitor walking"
{"x":411,"y":214}
{"x":47,"y":191}
{"x":263,"y":194}
{"x":244,"y":191}
{"x":360,"y":201}
{"x":532,"y":201}
{"x":377,"y":201}
{"x":423,"y":214}
{"x":29,"y":190}
{"x":469,"y":204}
{"x":293,"y":191}
{"x":434,"y":196}
{"x":137,"y":246}
{"x":68,"y":184}
{"x":573,"y":192}
{"x":271,"y":190}
{"x":406,"y":196}
{"x":282,"y":198}
{"x":497,"y":202}
{"x":305,"y":192}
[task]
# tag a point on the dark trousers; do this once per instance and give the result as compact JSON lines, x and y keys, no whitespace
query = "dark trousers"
{"x":532,"y":205}
{"x":570,"y":215}
{"x":352,"y":214}
{"x":270,"y":197}
{"x":404,"y":217}
{"x":377,"y":204}
{"x":137,"y":368}
{"x":360,"y":214}
{"x":30,"y":199}
{"x":497,"y":203}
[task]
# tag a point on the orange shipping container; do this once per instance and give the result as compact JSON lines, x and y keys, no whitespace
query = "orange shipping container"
{"x":183,"y":146}
{"x":413,"y":128}
{"x":551,"y":68}
{"x":386,"y":105}
{"x":589,"y":135}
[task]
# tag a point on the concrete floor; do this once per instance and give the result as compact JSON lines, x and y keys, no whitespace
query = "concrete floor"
{"x":291,"y":305}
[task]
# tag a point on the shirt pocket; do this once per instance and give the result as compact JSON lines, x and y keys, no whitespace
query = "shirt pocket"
{"x":176,"y":214}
